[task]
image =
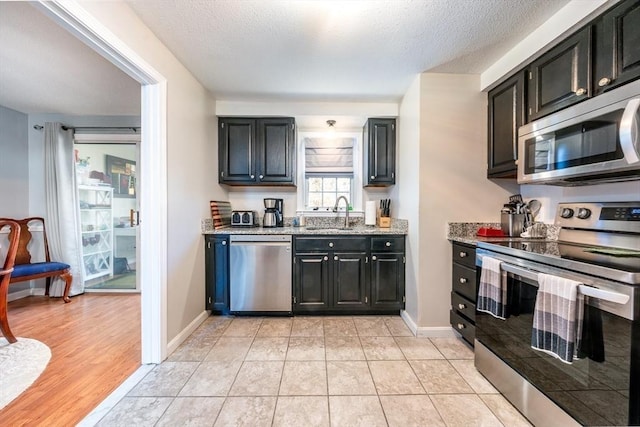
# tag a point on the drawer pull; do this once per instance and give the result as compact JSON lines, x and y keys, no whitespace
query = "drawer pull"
{"x":604,"y":81}
{"x":581,"y":91}
{"x":387,"y":244}
{"x":463,"y":254}
{"x":330,"y":244}
{"x":335,"y":258}
{"x":461,"y":326}
{"x":463,"y":280}
{"x":374,"y":257}
{"x":461,"y":306}
{"x":326,"y":258}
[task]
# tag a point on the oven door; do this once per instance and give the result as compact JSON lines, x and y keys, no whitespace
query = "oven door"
{"x":600,"y":388}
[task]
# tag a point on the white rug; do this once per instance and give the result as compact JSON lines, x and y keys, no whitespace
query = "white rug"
{"x":21,"y":363}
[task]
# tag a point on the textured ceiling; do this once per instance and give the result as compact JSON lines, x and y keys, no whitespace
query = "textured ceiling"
{"x":303,"y":50}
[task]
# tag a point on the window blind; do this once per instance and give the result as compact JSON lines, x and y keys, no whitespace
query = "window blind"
{"x":328,"y":156}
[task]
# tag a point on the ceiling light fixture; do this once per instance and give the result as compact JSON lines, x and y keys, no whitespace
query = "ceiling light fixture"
{"x":332,"y":129}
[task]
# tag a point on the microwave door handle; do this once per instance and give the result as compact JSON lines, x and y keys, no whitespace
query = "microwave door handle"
{"x":629,"y":131}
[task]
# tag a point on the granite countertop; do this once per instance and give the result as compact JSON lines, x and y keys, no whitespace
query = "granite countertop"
{"x":466,"y":232}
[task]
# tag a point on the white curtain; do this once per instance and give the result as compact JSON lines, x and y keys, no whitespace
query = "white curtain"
{"x":62,"y":209}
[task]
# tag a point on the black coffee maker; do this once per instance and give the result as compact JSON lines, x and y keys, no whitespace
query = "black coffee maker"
{"x":273,"y":213}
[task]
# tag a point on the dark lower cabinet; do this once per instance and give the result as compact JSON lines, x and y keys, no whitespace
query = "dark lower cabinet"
{"x":217,"y":273}
{"x":339,"y":275}
{"x":464,"y":291}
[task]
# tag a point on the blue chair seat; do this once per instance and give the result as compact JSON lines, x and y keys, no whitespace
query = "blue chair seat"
{"x":23,"y":270}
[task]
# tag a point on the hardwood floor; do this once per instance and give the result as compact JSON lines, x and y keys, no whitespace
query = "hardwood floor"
{"x":95,"y":346}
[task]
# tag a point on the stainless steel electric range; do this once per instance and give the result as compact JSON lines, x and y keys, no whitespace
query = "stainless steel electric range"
{"x":598,"y":246}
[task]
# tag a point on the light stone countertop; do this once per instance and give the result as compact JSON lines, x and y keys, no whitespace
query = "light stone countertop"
{"x":357,"y":227}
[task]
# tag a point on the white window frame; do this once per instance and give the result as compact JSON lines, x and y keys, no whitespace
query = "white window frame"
{"x":356,"y":183}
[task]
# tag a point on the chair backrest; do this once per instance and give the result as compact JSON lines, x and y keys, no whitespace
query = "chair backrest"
{"x":23,"y":256}
{"x":12,"y":249}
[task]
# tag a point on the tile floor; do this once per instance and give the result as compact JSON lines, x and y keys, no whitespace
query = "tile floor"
{"x":314,"y":371}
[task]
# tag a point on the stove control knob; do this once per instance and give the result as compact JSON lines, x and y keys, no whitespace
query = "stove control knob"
{"x":566,"y":213}
{"x":584,"y":213}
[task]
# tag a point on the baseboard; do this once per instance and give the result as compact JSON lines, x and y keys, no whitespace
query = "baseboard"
{"x":409,"y":322}
{"x":184,"y":334}
{"x":13,"y":296}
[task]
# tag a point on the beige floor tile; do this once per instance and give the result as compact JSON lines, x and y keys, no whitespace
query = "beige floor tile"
{"x":229,"y":349}
{"x":258,"y":378}
{"x":418,"y":348}
{"x":305,"y":378}
{"x":247,"y":412}
{"x":136,"y":411}
{"x":410,"y":411}
{"x":372,"y":326}
{"x":268,"y":349}
{"x":438,"y":376}
{"x":506,"y":413}
{"x":397,"y":327}
{"x":356,"y":411}
{"x":307,"y":327}
{"x":193,"y":349}
{"x":211,"y":379}
{"x":381,"y":348}
{"x":275,"y":327}
{"x":349,"y":378}
{"x":192,"y":412}
{"x":213,"y":326}
{"x":343,"y":348}
{"x":394,"y":377}
{"x":306,"y":348}
{"x":468,"y":371}
{"x":453,"y":348}
{"x":464,"y":410}
{"x":340,"y":327}
{"x":302,"y":411}
{"x":166,"y":379}
{"x":246,"y":327}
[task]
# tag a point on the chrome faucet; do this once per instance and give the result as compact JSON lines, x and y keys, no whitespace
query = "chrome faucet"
{"x":346,"y":210}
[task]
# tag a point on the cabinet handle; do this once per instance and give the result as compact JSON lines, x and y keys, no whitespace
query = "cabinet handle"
{"x":326,"y":258}
{"x":387,"y":244}
{"x":252,"y":176}
{"x":463,"y":254}
{"x":224,"y":243}
{"x":335,"y":258}
{"x":373,"y":177}
{"x":330,"y":244}
{"x":463,"y":280}
{"x":461,"y":326}
{"x":374,"y":257}
{"x":462,"y":306}
{"x":581,"y":91}
{"x":604,"y":81}
{"x":261,"y":177}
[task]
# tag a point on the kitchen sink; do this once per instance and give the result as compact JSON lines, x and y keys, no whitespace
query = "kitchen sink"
{"x":328,"y":228}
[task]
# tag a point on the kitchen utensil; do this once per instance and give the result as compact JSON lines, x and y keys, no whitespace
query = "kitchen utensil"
{"x":516,"y":198}
{"x":534,"y":207}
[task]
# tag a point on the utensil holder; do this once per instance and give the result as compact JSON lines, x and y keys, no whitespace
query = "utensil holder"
{"x":384,"y":222}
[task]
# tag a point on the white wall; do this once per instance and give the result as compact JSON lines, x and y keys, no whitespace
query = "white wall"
{"x":191,"y":162}
{"x":14,"y":164}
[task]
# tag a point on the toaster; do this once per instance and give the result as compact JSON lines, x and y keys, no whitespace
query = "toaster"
{"x":244,"y":219}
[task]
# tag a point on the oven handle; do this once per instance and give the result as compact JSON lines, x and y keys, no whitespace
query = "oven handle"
{"x":589,"y":291}
{"x":629,"y":131}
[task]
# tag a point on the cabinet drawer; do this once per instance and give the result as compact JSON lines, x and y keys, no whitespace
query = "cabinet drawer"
{"x":464,"y":254}
{"x":355,"y":244}
{"x":387,"y":244}
{"x":462,"y":326}
{"x":464,"y":281}
{"x":463,"y":306}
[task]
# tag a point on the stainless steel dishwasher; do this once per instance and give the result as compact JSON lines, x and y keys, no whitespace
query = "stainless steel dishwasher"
{"x":260,"y":279}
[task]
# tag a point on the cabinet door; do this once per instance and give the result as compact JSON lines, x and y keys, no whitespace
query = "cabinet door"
{"x":311,"y":282}
{"x":617,"y":46}
{"x":276,"y":151}
{"x":560,"y":77}
{"x":380,"y":152}
{"x":236,"y":150}
{"x":506,"y":115}
{"x":349,"y":280}
{"x":217,"y":273}
{"x":387,"y":281}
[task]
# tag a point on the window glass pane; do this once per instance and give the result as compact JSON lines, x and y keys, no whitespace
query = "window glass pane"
{"x":328,"y":200}
{"x":315,"y":184}
{"x":329,"y":184}
{"x":344,"y":184}
{"x":315,"y":200}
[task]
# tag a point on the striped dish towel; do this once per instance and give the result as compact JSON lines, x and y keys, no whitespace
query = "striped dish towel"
{"x":557,"y":318}
{"x":492,"y":291}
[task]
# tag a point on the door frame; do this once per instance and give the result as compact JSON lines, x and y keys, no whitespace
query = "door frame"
{"x":152,"y":169}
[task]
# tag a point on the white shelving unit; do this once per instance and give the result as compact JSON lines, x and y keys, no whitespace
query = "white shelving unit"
{"x":96,"y":219}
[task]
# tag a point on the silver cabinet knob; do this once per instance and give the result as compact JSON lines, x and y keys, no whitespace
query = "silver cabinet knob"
{"x":326,"y":258}
{"x":461,"y":306}
{"x":224,"y":243}
{"x":330,"y":244}
{"x":463,"y":254}
{"x":374,"y":257}
{"x":253,"y":176}
{"x":461,"y":326}
{"x":581,"y":91}
{"x":335,"y":258}
{"x":463,"y":280}
{"x":261,"y":176}
{"x":373,"y":177}
{"x":604,"y":81}
{"x":387,"y":244}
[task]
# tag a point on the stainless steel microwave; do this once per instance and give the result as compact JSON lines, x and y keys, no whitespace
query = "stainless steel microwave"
{"x":591,"y":142}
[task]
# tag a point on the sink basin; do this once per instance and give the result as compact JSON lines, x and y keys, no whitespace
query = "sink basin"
{"x":328,"y":228}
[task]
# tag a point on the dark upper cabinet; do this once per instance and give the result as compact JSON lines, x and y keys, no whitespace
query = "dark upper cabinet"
{"x":350,"y":280}
{"x":217,"y":273}
{"x":506,"y":115}
{"x":616,"y":56}
{"x":561,"y":77}
{"x":256,"y":151}
{"x":379,"y":138}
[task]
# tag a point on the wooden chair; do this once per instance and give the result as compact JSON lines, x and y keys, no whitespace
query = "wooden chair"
{"x":5,"y":276}
{"x":24,"y":269}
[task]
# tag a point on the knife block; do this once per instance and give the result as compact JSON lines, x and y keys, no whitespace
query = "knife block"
{"x":384,"y":222}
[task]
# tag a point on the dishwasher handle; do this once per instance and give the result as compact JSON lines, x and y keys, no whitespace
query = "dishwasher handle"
{"x":261,"y":243}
